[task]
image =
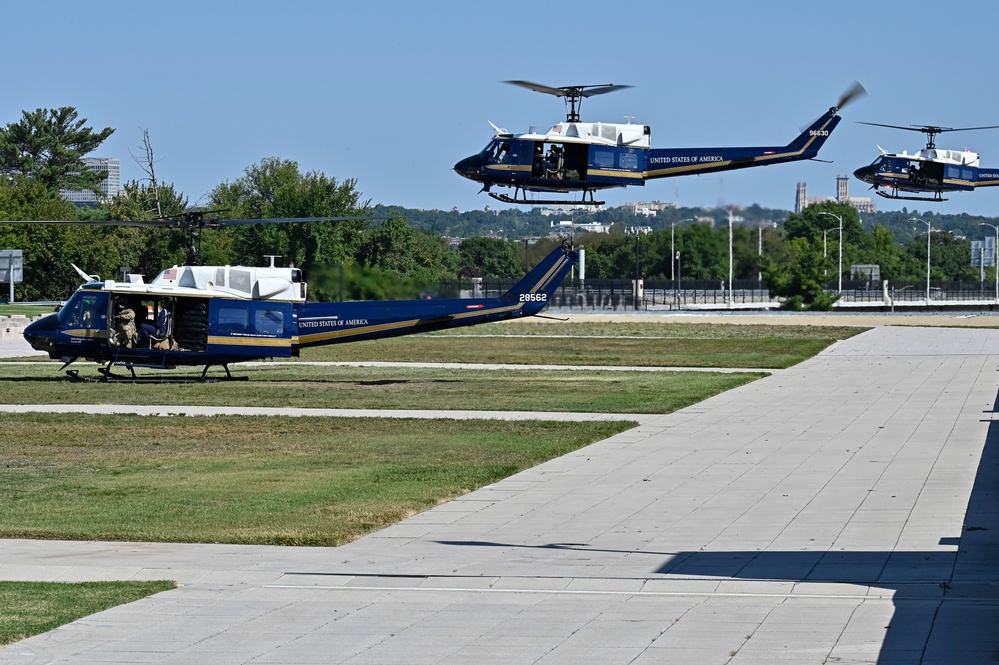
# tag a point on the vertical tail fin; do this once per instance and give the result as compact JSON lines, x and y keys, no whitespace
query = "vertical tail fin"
{"x":807,"y":143}
{"x":541,"y":282}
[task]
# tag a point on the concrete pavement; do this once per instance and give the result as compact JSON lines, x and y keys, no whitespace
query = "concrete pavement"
{"x":839,"y":511}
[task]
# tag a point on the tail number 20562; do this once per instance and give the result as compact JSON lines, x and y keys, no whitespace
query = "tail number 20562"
{"x":533,"y":297}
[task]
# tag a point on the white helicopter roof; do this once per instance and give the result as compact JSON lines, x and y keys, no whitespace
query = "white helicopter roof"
{"x":607,"y":133}
{"x":956,"y":157}
{"x":281,"y":284}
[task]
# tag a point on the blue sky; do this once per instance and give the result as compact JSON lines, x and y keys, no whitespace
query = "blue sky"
{"x":394,"y":93}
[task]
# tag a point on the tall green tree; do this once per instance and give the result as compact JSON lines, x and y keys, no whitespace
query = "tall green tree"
{"x":398,"y":247}
{"x":275,"y":188}
{"x":47,"y":145}
{"x":487,"y":257}
{"x":797,"y":274}
{"x":46,"y":270}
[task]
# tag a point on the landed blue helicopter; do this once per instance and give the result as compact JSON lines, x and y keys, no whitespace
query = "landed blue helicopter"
{"x":930,"y":171}
{"x":195,"y":315}
{"x":585,"y":157}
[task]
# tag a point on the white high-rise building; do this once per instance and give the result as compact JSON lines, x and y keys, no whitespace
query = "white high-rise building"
{"x":109,"y":186}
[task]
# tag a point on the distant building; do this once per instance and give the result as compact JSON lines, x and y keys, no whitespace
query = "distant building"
{"x":562,"y":208}
{"x":109,"y":186}
{"x":635,"y":230}
{"x":561,"y":227}
{"x":649,"y":209}
{"x":862,"y":204}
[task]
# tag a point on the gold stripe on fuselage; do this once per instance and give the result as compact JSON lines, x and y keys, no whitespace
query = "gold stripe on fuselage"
{"x":313,"y":338}
{"x":693,"y":168}
{"x":249,"y":341}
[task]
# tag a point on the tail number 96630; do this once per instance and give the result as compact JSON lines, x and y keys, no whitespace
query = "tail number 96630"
{"x":533,"y":297}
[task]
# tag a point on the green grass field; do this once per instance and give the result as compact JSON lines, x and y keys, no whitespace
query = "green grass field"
{"x":584,"y":343}
{"x":30,"y":608}
{"x":307,"y":386}
{"x":260,"y":480}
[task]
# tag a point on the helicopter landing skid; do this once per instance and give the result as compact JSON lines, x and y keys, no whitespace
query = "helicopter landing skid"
{"x":107,"y":376}
{"x":911,"y":198}
{"x":505,"y":198}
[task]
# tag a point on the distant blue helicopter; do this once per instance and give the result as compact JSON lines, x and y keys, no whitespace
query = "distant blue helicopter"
{"x":208,"y":316}
{"x":584,"y":157}
{"x":932,"y":170}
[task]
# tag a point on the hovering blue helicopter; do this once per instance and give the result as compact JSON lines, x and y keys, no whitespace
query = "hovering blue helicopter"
{"x":208,"y":316}
{"x":930,"y":171}
{"x":576,"y":156}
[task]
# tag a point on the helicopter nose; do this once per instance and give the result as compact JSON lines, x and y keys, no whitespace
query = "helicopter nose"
{"x":865,"y":173}
{"x":469,"y":167}
{"x":41,"y":334}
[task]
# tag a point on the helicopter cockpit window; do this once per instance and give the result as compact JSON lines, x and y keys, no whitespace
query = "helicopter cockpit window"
{"x":498,"y":151}
{"x":503,"y":152}
{"x":82,"y":313}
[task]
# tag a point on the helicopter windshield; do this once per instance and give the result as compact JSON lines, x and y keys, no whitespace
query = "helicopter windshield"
{"x":83,"y":310}
{"x":497,"y":151}
{"x":893,"y":166}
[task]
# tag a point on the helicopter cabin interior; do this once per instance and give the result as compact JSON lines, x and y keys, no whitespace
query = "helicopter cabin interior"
{"x":157,"y":322}
{"x":570,"y":149}
{"x":923,"y":173}
{"x":915,"y":171}
{"x":559,"y":161}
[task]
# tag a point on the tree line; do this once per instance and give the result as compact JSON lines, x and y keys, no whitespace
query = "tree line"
{"x":404,"y":252}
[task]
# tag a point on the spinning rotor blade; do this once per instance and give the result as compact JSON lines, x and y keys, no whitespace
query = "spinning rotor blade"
{"x":190,"y":221}
{"x":194,"y":222}
{"x":967,"y":129}
{"x":537,"y":87}
{"x":926,"y":129}
{"x":600,"y":89}
{"x":910,"y":128}
{"x":573,"y":94}
{"x":569,"y":90}
{"x":931,"y":131}
{"x":854,"y":92}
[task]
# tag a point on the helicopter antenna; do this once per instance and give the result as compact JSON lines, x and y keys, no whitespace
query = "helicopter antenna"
{"x":573,"y":94}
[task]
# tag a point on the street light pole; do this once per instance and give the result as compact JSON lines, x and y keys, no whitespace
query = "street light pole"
{"x":995,"y":255}
{"x":638,"y":268}
{"x":929,"y":230}
{"x":825,"y":271}
{"x":676,"y":284}
{"x":822,"y":212}
{"x":759,"y":256}
{"x":730,"y":259}
{"x":672,"y":244}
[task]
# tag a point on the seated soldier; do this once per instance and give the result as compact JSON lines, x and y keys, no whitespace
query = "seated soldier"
{"x":126,"y":333}
{"x":160,"y":330}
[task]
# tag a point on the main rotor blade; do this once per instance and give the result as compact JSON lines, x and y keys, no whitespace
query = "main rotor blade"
{"x":967,"y":129}
{"x":599,"y":90}
{"x":291,"y":220}
{"x":912,"y":128}
{"x":569,"y":90}
{"x":537,"y":87}
{"x":179,"y":223}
